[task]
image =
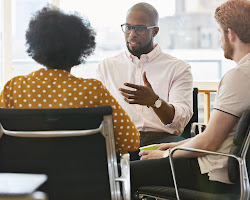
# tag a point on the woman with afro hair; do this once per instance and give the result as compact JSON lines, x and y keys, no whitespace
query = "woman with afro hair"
{"x":60,"y":41}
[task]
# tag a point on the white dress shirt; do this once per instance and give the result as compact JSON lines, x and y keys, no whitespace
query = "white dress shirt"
{"x":169,"y":77}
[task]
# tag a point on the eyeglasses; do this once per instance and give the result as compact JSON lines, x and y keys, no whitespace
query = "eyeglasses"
{"x":139,"y":30}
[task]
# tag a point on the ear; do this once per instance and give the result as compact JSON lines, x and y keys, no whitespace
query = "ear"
{"x":232,"y":35}
{"x":155,"y":31}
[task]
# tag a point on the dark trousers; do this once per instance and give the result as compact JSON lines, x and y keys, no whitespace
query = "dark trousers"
{"x":147,"y":138}
{"x":157,"y":172}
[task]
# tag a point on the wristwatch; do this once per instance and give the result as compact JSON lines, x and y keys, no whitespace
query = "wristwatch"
{"x":157,"y":103}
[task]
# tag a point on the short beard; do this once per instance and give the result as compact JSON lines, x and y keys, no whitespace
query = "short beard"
{"x":228,"y":49}
{"x":142,"y":50}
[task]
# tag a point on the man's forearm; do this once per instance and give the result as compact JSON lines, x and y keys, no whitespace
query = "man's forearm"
{"x":165,"y":112}
{"x":216,"y":132}
{"x":191,"y":143}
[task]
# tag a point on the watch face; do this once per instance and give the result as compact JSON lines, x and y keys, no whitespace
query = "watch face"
{"x":158,"y":103}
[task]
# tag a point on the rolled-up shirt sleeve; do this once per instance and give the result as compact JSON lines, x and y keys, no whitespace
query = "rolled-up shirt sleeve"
{"x":181,"y":97}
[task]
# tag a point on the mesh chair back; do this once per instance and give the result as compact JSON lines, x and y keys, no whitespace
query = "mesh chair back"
{"x":76,"y":166}
{"x":239,"y":141}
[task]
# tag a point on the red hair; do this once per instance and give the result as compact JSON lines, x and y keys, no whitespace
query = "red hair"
{"x":235,"y":14}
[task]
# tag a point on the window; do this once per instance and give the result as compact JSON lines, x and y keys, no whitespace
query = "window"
{"x":21,"y":13}
{"x":187,"y":31}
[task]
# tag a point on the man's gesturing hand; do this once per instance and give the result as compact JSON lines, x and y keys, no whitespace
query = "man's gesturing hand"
{"x":143,"y":95}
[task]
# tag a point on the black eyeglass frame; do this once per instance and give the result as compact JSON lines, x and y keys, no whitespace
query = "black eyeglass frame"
{"x":136,"y":27}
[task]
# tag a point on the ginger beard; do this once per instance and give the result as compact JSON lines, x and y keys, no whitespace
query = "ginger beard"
{"x":228,"y":48}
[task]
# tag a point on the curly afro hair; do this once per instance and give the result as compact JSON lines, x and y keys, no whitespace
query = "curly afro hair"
{"x":58,"y":40}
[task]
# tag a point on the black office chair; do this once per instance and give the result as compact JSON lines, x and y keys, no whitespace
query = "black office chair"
{"x":187,"y":130}
{"x":74,"y":147}
{"x":237,"y":171}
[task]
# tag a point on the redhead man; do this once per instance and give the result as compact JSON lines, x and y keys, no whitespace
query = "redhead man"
{"x":208,"y":172}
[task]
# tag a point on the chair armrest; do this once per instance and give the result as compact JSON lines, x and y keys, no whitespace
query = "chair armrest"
{"x":244,"y":181}
{"x":125,"y":176}
{"x":197,"y":126}
{"x":37,"y":195}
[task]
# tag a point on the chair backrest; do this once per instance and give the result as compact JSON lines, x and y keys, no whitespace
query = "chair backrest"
{"x":78,"y":167}
{"x":240,"y":145}
{"x":194,"y":118}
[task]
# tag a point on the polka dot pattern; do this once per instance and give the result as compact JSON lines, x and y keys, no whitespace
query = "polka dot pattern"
{"x":49,"y":88}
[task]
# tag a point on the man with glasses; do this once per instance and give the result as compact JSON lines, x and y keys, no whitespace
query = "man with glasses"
{"x":153,"y":87}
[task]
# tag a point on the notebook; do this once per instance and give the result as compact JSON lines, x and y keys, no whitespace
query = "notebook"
{"x":20,"y":184}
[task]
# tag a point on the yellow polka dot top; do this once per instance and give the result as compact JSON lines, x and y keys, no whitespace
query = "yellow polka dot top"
{"x":54,"y":88}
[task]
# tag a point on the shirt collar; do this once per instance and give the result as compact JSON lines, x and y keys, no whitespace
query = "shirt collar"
{"x":149,"y":57}
{"x":53,"y":73}
{"x":244,"y":59}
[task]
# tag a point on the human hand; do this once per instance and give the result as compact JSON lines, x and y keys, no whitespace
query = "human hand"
{"x":165,"y":146}
{"x":143,"y":95}
{"x":151,"y":154}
